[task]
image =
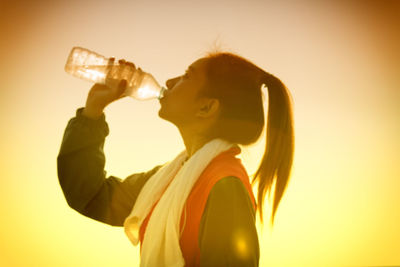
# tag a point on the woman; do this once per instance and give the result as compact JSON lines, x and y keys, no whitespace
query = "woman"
{"x":198,"y":209}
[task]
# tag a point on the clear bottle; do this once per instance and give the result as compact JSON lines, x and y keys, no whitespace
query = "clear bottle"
{"x":88,"y":65}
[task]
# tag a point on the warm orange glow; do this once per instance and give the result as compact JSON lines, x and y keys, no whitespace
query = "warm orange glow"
{"x":241,"y":248}
{"x":340,"y":59}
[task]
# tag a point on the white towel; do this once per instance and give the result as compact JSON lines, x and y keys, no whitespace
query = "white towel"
{"x":161,"y":240}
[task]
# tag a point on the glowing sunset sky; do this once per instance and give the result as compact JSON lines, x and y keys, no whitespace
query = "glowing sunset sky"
{"x":339,"y":59}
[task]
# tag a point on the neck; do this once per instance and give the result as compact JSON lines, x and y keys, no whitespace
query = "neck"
{"x":193,"y":142}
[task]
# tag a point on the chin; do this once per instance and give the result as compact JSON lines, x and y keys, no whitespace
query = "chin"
{"x":161,"y":113}
{"x":164,"y":116}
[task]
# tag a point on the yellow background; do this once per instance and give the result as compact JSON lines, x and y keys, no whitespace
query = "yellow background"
{"x":339,"y":59}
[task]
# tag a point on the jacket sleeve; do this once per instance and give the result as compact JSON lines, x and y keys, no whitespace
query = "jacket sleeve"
{"x":227,"y":234}
{"x":81,"y":174}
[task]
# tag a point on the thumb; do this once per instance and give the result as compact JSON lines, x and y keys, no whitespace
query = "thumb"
{"x":122,"y":86}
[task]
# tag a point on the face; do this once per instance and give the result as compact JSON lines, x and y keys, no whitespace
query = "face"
{"x":180,"y":104}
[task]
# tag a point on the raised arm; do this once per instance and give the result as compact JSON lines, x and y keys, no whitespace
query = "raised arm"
{"x":81,"y":174}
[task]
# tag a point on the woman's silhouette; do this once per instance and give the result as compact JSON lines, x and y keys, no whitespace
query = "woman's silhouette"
{"x":198,"y":209}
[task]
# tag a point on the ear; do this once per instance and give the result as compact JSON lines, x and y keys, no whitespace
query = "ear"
{"x":208,"y":108}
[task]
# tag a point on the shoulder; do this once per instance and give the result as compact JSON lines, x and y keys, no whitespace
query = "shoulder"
{"x":229,"y":189}
{"x":228,"y":181}
{"x":228,"y":204}
{"x":228,"y":200}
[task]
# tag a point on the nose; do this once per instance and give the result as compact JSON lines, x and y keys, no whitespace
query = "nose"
{"x":171,"y":82}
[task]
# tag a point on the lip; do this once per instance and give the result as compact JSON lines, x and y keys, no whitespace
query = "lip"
{"x":164,"y":95}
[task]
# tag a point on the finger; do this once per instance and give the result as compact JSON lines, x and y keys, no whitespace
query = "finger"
{"x":111,"y":61}
{"x":130,"y":71}
{"x":110,"y":64}
{"x":130,"y":64}
{"x":132,"y":67}
{"x":122,"y":86}
{"x":127,"y":71}
{"x":121,"y":69}
{"x":111,"y":68}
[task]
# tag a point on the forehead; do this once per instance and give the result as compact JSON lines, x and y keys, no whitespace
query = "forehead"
{"x":197,"y":72}
{"x":198,"y":66}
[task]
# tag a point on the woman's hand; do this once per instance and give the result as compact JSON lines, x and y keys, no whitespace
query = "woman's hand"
{"x":124,"y":70}
{"x":101,"y":95}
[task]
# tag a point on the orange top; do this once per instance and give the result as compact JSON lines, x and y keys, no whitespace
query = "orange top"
{"x":223,"y":165}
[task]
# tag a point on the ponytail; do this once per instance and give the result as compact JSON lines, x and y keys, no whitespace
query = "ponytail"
{"x":276,"y":162}
{"x":236,"y":83}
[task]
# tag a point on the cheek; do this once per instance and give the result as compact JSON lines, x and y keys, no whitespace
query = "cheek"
{"x":178,"y":106}
{"x":179,"y":102}
{"x":179,"y":98}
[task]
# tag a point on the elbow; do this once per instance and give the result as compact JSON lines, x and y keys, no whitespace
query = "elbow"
{"x":74,"y":203}
{"x":70,"y":194}
{"x":74,"y":185}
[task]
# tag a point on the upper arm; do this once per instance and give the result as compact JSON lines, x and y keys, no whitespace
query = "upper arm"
{"x":115,"y":198}
{"x":227,"y":234}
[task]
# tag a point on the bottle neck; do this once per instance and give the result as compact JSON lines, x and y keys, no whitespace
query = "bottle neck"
{"x":162,"y":91}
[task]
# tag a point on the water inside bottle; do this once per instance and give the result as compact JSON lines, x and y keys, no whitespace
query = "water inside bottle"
{"x":93,"y":73}
{"x":141,"y":85}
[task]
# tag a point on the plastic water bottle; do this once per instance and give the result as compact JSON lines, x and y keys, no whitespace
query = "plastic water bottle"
{"x":88,"y":65}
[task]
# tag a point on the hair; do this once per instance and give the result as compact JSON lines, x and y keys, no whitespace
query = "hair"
{"x":237,"y":84}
